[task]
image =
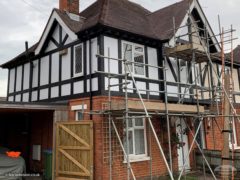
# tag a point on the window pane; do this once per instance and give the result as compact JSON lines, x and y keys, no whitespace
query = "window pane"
{"x":139,"y":141}
{"x":139,"y":122}
{"x":78,"y":59}
{"x":127,"y":53}
{"x":79,"y":115}
{"x":138,"y":68}
{"x":130,"y":123}
{"x":130,"y":139}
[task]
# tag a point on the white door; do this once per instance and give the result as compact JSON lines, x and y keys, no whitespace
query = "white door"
{"x":181,"y":130}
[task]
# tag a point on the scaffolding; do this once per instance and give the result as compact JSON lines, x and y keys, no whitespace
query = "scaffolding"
{"x":193,"y":53}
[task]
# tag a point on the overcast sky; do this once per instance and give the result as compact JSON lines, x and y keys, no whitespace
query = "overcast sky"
{"x":24,"y":20}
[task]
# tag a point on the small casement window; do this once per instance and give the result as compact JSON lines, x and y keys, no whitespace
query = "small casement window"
{"x":136,"y":138}
{"x":78,"y":61}
{"x":134,"y":53}
{"x":78,"y":115}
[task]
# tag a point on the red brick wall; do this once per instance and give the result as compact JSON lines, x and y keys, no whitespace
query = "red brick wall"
{"x":101,"y":152}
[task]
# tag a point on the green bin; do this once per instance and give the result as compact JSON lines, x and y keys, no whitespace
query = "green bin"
{"x":47,"y":173}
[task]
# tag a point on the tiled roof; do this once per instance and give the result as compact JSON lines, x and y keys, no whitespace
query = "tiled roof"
{"x":127,"y":16}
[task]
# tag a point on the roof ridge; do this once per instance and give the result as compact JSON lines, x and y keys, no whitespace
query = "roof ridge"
{"x":169,"y":6}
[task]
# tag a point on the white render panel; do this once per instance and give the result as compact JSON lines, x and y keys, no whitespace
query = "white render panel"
{"x":141,"y":87}
{"x":94,"y":84}
{"x":69,"y":40}
{"x":12,"y":80}
{"x":66,"y":65}
{"x":169,"y":73}
{"x":56,"y":33}
{"x":154,"y":87}
{"x":26,"y":76}
{"x":113,"y":81}
{"x":130,"y":85}
{"x":43,"y":94}
{"x":35,"y":74}
{"x":18,"y":98}
{"x":152,"y":60}
{"x":44,"y":73}
{"x":51,"y":46}
{"x":172,"y":90}
{"x":186,"y":92}
{"x":34,"y":95}
{"x":25,"y":97}
{"x":111,"y":44}
{"x":78,"y":87}
{"x":88,"y":85}
{"x":66,"y":89}
{"x":19,"y":78}
{"x":54,"y":91}
{"x":88,"y":59}
{"x":10,"y":98}
{"x":94,"y":47}
{"x":55,"y":68}
{"x":63,"y":34}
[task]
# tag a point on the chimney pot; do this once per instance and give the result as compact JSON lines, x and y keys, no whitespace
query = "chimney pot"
{"x":71,"y":6}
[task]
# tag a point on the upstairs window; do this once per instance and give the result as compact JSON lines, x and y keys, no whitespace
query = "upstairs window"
{"x":134,"y":53}
{"x":78,"y":61}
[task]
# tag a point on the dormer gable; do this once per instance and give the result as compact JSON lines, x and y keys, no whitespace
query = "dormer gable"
{"x":57,"y":32}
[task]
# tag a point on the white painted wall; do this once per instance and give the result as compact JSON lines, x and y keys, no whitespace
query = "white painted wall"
{"x":10,"y":98}
{"x":78,"y":87}
{"x":11,"y":80}
{"x":88,"y":59}
{"x":65,"y":89}
{"x":51,"y":46}
{"x":54,"y":92}
{"x":18,"y":98}
{"x":44,"y":73}
{"x":152,"y":60}
{"x":66,"y":65}
{"x":34,"y":95}
{"x":113,"y":81}
{"x":55,"y":68}
{"x":56,"y":33}
{"x":94,"y":47}
{"x":35,"y":74}
{"x":141,"y":86}
{"x":19,"y":78}
{"x":154,"y":87}
{"x":169,"y":73}
{"x":111,"y":45}
{"x":26,"y":76}
{"x":25,"y":97}
{"x":43,"y":94}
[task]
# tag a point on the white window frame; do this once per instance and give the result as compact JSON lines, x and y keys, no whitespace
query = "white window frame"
{"x":77,"y":109}
{"x":236,"y":146}
{"x":74,"y":61}
{"x":140,"y":157}
{"x":133,"y":51}
{"x":76,"y":115}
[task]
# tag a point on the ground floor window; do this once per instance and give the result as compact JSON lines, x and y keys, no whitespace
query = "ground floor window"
{"x":137,"y":138}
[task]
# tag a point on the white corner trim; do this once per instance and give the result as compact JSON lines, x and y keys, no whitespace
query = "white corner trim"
{"x":53,"y":17}
{"x":78,"y":107}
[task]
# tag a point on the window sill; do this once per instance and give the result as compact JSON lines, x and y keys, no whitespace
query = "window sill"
{"x":137,"y":159}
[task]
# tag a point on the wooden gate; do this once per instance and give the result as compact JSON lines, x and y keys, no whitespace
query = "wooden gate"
{"x":74,"y":151}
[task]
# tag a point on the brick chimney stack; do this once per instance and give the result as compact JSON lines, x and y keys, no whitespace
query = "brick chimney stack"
{"x":71,"y":6}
